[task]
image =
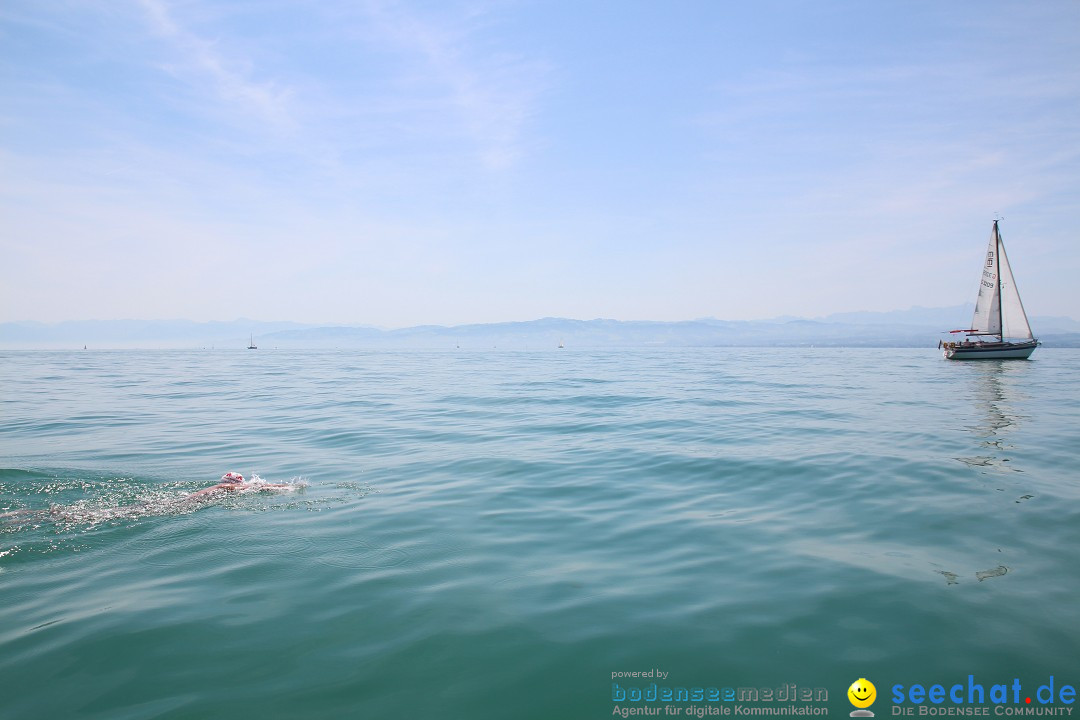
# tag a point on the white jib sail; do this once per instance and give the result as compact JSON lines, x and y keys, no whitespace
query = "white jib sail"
{"x":987,"y":319}
{"x":1014,"y":322}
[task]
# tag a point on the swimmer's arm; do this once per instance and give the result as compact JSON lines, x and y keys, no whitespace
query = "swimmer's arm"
{"x":220,"y":486}
{"x":232,"y":487}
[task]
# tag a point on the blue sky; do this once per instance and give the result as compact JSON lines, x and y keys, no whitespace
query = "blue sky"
{"x":400,"y":163}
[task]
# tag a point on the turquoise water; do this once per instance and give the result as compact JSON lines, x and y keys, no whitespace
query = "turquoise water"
{"x":492,"y":535}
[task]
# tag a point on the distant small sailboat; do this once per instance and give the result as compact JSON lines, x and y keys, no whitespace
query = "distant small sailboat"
{"x":998,"y":313}
{"x":251,"y":343}
{"x":561,"y":346}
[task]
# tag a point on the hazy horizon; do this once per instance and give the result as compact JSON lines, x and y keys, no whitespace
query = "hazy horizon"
{"x":916,"y":327}
{"x":400,"y":164}
{"x":913,"y":311}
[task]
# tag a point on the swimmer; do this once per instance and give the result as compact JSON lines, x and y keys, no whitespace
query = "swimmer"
{"x":234,"y":481}
{"x":79,"y":513}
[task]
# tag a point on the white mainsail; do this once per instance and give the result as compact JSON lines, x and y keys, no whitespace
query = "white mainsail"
{"x":987,"y":319}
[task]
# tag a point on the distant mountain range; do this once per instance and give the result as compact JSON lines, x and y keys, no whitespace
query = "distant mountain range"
{"x":917,"y":327}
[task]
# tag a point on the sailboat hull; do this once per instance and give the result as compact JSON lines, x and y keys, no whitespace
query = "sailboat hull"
{"x":990,"y":350}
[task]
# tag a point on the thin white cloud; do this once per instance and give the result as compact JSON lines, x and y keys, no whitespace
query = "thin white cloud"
{"x":204,"y":62}
{"x":493,"y":96}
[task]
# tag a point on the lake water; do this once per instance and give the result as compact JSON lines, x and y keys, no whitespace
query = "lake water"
{"x":494,"y":534}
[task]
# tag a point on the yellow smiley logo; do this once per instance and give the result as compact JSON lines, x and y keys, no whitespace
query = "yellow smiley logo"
{"x":862,"y":693}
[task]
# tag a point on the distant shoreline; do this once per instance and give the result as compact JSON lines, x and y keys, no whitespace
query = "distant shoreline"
{"x":917,"y":327}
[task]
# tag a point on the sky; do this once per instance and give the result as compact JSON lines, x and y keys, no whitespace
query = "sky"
{"x":448,"y":162}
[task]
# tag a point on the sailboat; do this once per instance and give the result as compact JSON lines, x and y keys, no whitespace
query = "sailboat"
{"x":999,"y":314}
{"x":251,"y":343}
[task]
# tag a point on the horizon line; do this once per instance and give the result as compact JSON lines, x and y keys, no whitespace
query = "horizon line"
{"x":367,"y":324}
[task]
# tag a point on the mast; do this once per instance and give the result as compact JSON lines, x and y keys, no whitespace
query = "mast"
{"x":997,"y":251}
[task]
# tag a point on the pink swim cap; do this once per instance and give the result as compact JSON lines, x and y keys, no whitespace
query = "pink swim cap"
{"x":232,"y":477}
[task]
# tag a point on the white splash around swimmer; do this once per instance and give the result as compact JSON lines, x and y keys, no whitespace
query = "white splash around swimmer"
{"x":255,"y":483}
